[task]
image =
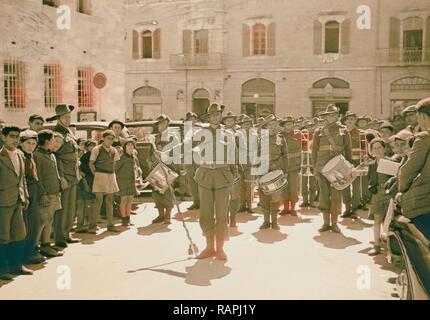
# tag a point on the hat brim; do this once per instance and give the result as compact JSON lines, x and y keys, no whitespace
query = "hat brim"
{"x":117,"y":122}
{"x":71,"y":108}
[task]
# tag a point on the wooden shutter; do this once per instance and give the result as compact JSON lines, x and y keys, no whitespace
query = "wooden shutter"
{"x":427,"y":40}
{"x":186,"y":41}
{"x":394,"y":51}
{"x":345,"y":36}
{"x":157,"y":44}
{"x":245,"y":40}
{"x":271,"y":39}
{"x":317,"y":37}
{"x":135,"y":45}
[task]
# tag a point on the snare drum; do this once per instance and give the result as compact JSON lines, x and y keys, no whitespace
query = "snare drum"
{"x":273,"y":182}
{"x":160,"y":177}
{"x":338,"y":172}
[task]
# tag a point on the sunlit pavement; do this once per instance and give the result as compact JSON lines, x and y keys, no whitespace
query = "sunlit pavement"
{"x":151,"y":262}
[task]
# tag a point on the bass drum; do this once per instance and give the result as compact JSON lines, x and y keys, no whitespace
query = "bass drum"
{"x":160,"y":177}
{"x":272,"y":183}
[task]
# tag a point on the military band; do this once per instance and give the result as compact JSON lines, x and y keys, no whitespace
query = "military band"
{"x":52,"y":183}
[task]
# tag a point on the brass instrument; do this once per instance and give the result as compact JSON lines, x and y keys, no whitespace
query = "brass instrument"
{"x":305,"y":165}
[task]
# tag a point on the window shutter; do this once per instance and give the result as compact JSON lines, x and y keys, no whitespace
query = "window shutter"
{"x":317,"y":37}
{"x":394,"y":51}
{"x":157,"y":43}
{"x":271,"y":39}
{"x":245,"y":40}
{"x":135,"y":45}
{"x":427,"y":40}
{"x":345,"y":36}
{"x":186,"y":41}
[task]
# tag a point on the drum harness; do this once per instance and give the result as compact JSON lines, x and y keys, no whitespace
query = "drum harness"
{"x":192,"y":248}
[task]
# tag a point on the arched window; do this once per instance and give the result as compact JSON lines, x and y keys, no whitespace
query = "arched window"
{"x":259,"y":39}
{"x":332,"y":37}
{"x":146,"y":44}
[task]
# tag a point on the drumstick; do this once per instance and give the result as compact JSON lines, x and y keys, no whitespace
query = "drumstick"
{"x":192,"y":248}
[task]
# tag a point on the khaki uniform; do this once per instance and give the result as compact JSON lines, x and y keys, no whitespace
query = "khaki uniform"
{"x":215,"y":183}
{"x":309,"y":185}
{"x":277,"y":161}
{"x":330,"y":199}
{"x":192,"y":184}
{"x":293,"y":154}
{"x":352,"y":202}
{"x":246,"y":178}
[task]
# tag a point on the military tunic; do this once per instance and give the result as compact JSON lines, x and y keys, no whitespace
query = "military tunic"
{"x":293,"y":154}
{"x":322,"y":152}
{"x":215,"y":181}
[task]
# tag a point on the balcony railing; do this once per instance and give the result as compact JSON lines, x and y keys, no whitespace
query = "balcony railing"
{"x":404,"y":56}
{"x":198,"y":61}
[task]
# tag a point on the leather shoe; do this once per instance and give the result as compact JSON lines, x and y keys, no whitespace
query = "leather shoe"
{"x":275,"y":226}
{"x":22,"y":270}
{"x":335,"y":228}
{"x":35,"y":259}
{"x":112,"y":228}
{"x":72,"y":240}
{"x":50,"y":252}
{"x":6,"y":276}
{"x":304,"y":205}
{"x":61,"y":244}
{"x":159,"y":219}
{"x":265,"y":225}
{"x":324,"y":228}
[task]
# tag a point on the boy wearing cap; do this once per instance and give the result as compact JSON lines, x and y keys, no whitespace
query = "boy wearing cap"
{"x":86,"y":197}
{"x":49,"y":192}
{"x":28,"y":144}
{"x":102,"y":165}
{"x":117,"y":126}
{"x":410,"y":115}
{"x":13,"y":198}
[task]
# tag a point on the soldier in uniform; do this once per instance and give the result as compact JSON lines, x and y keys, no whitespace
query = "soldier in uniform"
{"x":163,"y":202}
{"x":247,"y":180}
{"x":229,"y":121}
{"x":277,"y":161}
{"x":191,"y":168}
{"x":68,"y":165}
{"x":410,"y":115}
{"x":352,"y":202}
{"x":215,"y":179}
{"x":330,"y":141}
{"x":309,"y":184}
{"x":293,"y":146}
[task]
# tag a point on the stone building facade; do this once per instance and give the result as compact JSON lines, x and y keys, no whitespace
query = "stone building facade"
{"x":290,"y":57}
{"x":45,"y":62}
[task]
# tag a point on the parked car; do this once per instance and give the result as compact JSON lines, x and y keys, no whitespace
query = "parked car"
{"x":408,"y":245}
{"x":86,"y":130}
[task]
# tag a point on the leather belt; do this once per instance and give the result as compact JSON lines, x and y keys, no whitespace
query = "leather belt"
{"x":329,"y":148}
{"x":214,"y":166}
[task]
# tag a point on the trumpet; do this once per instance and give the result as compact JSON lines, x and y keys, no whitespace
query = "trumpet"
{"x":305,"y":155}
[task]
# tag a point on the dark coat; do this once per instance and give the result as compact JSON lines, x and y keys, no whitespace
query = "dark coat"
{"x":46,"y":164}
{"x":12,"y":187}
{"x":414,"y":178}
{"x":126,"y":174}
{"x":67,"y":156}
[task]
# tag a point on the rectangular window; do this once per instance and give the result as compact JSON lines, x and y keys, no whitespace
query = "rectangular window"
{"x":85,"y":88}
{"x":51,"y":3}
{"x":53,"y":85}
{"x":147,"y":44}
{"x":84,"y":6}
{"x":14,"y":84}
{"x":201,"y":41}
{"x":332,"y":37}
